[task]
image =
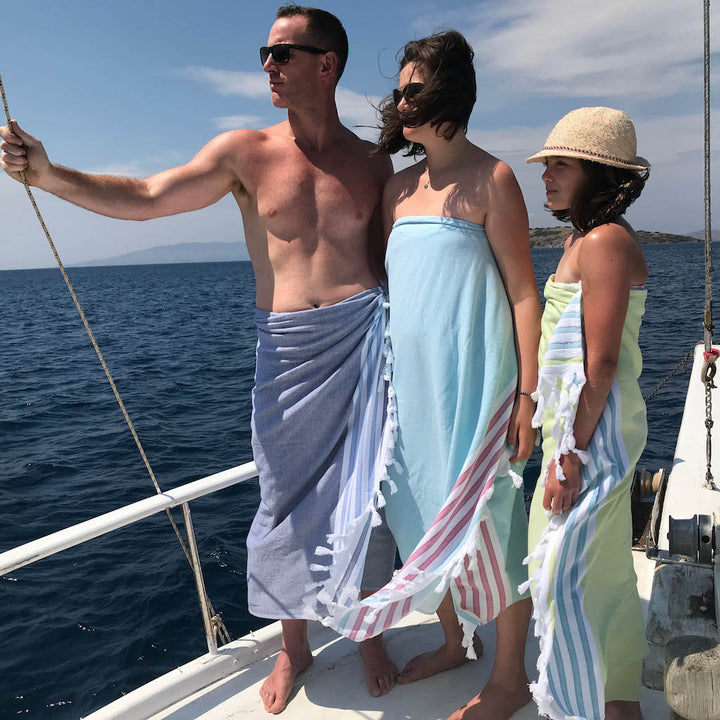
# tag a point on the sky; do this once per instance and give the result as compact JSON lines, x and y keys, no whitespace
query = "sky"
{"x":135,"y":87}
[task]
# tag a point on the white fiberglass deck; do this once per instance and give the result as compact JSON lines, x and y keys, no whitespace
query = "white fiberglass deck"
{"x":333,"y":688}
{"x":226,"y":686}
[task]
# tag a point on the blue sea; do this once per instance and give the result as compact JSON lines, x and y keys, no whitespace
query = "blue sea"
{"x":90,"y":624}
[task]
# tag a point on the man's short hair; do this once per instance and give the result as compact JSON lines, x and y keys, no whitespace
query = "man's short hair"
{"x":327,"y":31}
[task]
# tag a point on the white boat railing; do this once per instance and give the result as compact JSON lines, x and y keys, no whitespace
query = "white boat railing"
{"x":102,"y":524}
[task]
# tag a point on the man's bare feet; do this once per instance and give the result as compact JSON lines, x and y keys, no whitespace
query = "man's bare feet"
{"x":622,"y":710}
{"x":431,"y":663}
{"x":495,"y":702}
{"x":276,"y":690}
{"x":380,"y":671}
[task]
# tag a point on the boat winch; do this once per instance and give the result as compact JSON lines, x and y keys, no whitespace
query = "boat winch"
{"x":684,"y":617}
{"x":697,"y":539}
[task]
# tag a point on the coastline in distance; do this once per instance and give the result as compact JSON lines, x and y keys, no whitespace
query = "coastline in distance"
{"x":192,"y":252}
{"x":554,"y":237}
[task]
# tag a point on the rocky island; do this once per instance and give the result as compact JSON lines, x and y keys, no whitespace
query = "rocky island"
{"x":554,"y":237}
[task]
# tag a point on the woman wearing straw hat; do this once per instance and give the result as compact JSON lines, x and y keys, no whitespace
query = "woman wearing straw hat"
{"x":586,"y":606}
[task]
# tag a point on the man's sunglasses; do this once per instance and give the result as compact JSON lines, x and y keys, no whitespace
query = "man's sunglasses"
{"x":281,"y":52}
{"x":408,"y":92}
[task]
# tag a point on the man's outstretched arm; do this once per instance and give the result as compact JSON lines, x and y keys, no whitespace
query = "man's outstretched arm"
{"x":201,"y":182}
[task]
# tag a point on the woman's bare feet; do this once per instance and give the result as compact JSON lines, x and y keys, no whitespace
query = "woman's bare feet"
{"x":508,"y":688}
{"x":495,"y":702}
{"x":447,"y":657}
{"x":293,"y":658}
{"x":380,"y":671}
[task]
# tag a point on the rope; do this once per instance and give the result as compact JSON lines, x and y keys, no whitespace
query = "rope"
{"x":217,"y":621}
{"x":80,"y":310}
{"x":708,"y":372}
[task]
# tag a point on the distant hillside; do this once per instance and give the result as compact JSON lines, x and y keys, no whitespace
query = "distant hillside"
{"x":700,"y":235}
{"x":235,"y":251}
{"x":178,"y":253}
{"x":556,"y":236}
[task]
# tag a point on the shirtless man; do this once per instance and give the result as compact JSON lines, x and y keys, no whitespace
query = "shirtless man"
{"x":308,"y":190}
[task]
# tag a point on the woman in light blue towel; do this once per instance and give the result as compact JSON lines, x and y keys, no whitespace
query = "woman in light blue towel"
{"x":464,"y":327}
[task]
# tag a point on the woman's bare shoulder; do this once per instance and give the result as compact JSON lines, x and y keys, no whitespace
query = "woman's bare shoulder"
{"x":613,"y":243}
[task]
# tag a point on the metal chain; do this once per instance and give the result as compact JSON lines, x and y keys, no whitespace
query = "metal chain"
{"x":681,"y":366}
{"x":708,"y":374}
{"x":217,"y":621}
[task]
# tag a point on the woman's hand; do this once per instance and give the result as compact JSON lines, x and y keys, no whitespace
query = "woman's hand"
{"x":561,"y":496}
{"x":521,"y":433}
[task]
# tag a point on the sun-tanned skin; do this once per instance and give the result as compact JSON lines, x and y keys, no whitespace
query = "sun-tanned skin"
{"x":449,"y":655}
{"x":308,"y":190}
{"x":608,"y":260}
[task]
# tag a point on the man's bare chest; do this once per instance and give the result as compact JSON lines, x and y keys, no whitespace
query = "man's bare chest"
{"x":292,"y":196}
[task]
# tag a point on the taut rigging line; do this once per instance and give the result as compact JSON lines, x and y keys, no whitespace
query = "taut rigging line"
{"x":217,"y":622}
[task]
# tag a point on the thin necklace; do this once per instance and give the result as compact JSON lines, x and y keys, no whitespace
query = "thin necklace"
{"x":426,"y":184}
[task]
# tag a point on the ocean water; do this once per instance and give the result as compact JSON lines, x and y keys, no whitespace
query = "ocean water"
{"x":84,"y":627}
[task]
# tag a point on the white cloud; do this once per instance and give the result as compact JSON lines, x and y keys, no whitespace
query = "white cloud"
{"x":574,"y":48}
{"x":355,"y":107}
{"x":233,"y":122}
{"x":230,"y":82}
{"x":358,"y":111}
{"x":673,"y":197}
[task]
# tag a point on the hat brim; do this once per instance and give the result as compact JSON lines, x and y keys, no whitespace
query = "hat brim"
{"x":639,"y":163}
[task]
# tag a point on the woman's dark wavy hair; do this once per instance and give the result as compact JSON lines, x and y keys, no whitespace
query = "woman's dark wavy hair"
{"x":605,"y":195}
{"x":447,"y":98}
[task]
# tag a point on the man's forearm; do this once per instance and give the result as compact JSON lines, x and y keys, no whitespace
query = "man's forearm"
{"x":204,"y":180}
{"x":116,"y":197}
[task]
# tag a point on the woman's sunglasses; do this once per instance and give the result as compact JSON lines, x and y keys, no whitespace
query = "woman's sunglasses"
{"x":408,"y":92}
{"x":281,"y":52}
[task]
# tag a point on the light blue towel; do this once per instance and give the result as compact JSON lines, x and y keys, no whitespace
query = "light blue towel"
{"x":458,"y":513}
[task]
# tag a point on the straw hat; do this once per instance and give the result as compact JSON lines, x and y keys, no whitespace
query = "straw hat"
{"x":600,"y":134}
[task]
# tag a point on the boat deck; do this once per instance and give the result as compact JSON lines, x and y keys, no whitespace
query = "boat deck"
{"x":226,"y":686}
{"x":333,"y":687}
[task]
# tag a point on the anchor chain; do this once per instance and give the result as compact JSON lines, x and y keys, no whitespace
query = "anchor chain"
{"x":709,"y":369}
{"x":682,"y":366}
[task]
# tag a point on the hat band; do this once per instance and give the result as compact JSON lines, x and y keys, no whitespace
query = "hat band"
{"x":591,"y":153}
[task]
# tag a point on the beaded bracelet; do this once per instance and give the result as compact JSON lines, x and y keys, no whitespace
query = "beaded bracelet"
{"x":522,"y":392}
